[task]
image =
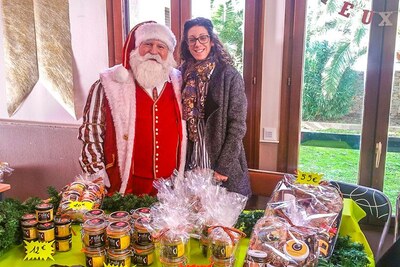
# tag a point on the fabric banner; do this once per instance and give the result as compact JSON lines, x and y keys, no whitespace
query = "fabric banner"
{"x":54,"y":50}
{"x":19,"y":51}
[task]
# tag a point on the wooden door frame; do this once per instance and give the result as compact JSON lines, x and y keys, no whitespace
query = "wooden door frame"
{"x":252,"y":74}
{"x":292,"y":73}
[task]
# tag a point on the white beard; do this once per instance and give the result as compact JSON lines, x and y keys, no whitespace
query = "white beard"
{"x":150,"y":70}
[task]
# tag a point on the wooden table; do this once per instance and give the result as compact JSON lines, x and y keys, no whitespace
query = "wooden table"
{"x":3,"y":188}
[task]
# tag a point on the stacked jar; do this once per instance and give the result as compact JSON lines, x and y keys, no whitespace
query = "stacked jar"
{"x":45,"y":226}
{"x":93,"y":235}
{"x":63,"y":233}
{"x":119,"y":239}
{"x":28,"y":224}
{"x":173,"y":250}
{"x":142,"y":242}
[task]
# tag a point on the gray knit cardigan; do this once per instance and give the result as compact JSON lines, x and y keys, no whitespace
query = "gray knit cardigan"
{"x":225,"y":115}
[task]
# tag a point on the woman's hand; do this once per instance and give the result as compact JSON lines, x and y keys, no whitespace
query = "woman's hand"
{"x":220,"y":177}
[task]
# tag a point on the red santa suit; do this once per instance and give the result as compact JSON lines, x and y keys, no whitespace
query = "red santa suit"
{"x":147,"y":137}
{"x":128,"y":137}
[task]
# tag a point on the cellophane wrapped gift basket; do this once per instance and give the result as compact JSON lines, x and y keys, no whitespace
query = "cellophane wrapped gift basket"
{"x":300,"y":225}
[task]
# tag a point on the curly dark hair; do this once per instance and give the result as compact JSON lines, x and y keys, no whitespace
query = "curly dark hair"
{"x":218,"y":51}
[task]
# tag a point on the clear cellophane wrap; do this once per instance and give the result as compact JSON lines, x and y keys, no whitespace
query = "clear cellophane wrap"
{"x":298,"y":217}
{"x":81,"y":195}
{"x":217,"y":212}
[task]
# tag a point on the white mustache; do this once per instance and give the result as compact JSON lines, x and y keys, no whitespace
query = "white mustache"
{"x":148,"y":57}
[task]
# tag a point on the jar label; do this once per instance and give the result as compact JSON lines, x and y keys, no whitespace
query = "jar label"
{"x":29,"y":233}
{"x":122,"y":262}
{"x":95,"y":261}
{"x":173,"y":251}
{"x":144,"y":238}
{"x":142,"y":259}
{"x":63,"y":245}
{"x":221,"y":251}
{"x":96,"y":240}
{"x":47,"y":235}
{"x":44,"y":216}
{"x":119,"y":243}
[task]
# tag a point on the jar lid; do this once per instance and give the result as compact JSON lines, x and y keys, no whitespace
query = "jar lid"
{"x":118,"y":252}
{"x":44,"y":206}
{"x":258,"y":256}
{"x":119,"y":215}
{"x":140,"y":248}
{"x":94,"y":251}
{"x":296,"y":249}
{"x":140,"y":222}
{"x":29,"y":223}
{"x":45,"y":226}
{"x":118,"y":227}
{"x":62,"y":220}
{"x":94,"y":212}
{"x":141,"y":212}
{"x":28,"y":216}
{"x":95,"y":223}
{"x":64,"y":238}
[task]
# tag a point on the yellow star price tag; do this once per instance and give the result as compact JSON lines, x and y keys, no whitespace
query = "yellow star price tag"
{"x":37,"y":250}
{"x":308,"y":178}
{"x":81,"y":205}
{"x":112,"y":265}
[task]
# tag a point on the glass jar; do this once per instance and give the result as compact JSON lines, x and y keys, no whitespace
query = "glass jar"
{"x":28,"y":216}
{"x":173,"y":249}
{"x":119,"y":216}
{"x":255,"y":258}
{"x":177,"y":262}
{"x":62,"y":226}
{"x":44,"y":212}
{"x":92,"y":214}
{"x":143,"y":255}
{"x":222,"y":249}
{"x":45,"y":231}
{"x":29,"y":231}
{"x":93,"y":233}
{"x":95,"y":257}
{"x":119,"y":257}
{"x":229,"y":262}
{"x":64,"y":244}
{"x":141,"y":212}
{"x":204,"y":241}
{"x":118,"y":235}
{"x":142,"y":236}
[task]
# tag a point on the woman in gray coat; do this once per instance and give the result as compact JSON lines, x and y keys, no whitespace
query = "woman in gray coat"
{"x":214,"y":106}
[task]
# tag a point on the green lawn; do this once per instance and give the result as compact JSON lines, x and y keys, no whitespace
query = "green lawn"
{"x":342,"y":164}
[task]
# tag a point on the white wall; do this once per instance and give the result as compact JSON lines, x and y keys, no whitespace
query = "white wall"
{"x":88,"y":24}
{"x":40,"y":140}
{"x":271,"y":82}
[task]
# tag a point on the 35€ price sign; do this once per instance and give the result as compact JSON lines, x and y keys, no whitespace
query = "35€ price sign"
{"x":38,"y":250}
{"x":308,"y":178}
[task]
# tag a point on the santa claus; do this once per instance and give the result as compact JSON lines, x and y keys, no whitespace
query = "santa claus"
{"x":132,"y":130}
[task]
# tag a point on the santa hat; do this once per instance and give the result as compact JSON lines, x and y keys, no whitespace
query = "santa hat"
{"x":141,"y":32}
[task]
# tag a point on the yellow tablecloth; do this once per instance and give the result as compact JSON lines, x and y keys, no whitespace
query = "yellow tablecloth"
{"x":14,"y":257}
{"x":349,"y":226}
{"x":352,"y":213}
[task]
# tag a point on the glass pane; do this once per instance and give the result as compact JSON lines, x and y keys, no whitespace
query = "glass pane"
{"x":227,"y":17}
{"x":333,"y":90}
{"x":143,"y":10}
{"x":391,"y":187}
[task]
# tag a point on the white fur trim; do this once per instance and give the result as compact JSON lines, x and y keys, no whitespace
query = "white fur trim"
{"x":122,"y":100}
{"x":155,"y":31}
{"x":121,"y":74}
